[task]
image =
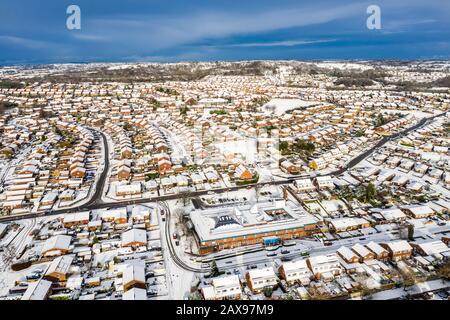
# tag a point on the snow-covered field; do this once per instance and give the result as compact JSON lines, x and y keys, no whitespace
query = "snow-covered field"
{"x":280,"y":106}
{"x":343,"y":65}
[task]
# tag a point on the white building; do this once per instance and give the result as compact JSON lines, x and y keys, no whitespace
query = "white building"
{"x":134,"y":238}
{"x":223,"y":287}
{"x":304,"y":185}
{"x":293,"y":271}
{"x":324,"y":182}
{"x":258,"y":279}
{"x":325,"y":267}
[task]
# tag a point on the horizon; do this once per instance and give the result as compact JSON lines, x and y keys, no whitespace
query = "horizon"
{"x":387,"y":60}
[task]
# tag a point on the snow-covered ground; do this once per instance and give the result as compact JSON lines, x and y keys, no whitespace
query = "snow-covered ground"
{"x":280,"y":106}
{"x":343,"y":65}
{"x":178,"y":280}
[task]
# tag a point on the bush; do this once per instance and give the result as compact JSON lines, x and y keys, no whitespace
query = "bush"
{"x":20,"y":265}
{"x":246,"y":182}
{"x":267,"y":291}
{"x":218,"y":112}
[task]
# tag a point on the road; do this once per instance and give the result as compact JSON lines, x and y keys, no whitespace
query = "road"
{"x":96,"y":202}
{"x":172,"y":251}
{"x":385,"y":140}
{"x":101,"y":182}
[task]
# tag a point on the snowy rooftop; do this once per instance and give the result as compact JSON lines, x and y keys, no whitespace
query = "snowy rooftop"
{"x":57,"y":242}
{"x":262,"y":273}
{"x":135,"y":294}
{"x":268,"y":216}
{"x":434,"y":247}
{"x":226,"y":281}
{"x":295,"y":265}
{"x":37,"y":290}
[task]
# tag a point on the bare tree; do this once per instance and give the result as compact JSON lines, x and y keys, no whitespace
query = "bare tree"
{"x":8,"y":255}
{"x":257,"y":191}
{"x":179,"y":214}
{"x":185,"y":197}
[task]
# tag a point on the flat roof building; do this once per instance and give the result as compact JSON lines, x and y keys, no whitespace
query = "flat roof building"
{"x":223,"y":228}
{"x":38,"y":290}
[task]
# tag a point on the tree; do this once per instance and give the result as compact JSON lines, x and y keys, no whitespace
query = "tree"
{"x":214,"y":269}
{"x":185,"y":197}
{"x":380,"y":120}
{"x":8,"y":254}
{"x":179,"y":214}
{"x":347,"y":193}
{"x":370,"y":192}
{"x":184,"y":110}
{"x":267,"y":291}
{"x":257,"y":190}
{"x":444,"y":271}
{"x":7,"y":153}
{"x":284,"y":145}
{"x":127,"y":126}
{"x":411,"y":232}
{"x":195,"y":296}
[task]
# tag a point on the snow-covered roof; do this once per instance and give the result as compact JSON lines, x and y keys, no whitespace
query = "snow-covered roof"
{"x":344,"y":223}
{"x":376,"y":248}
{"x":316,"y":261}
{"x":134,"y":235}
{"x":133,"y":272}
{"x":60,"y":265}
{"x":57,"y":242}
{"x":433,"y":247}
{"x":37,"y":290}
{"x":75,"y":217}
{"x":399,"y":246}
{"x":135,"y":294}
{"x":360,"y":250}
{"x":226,"y":281}
{"x":346,"y":253}
{"x":419,"y":209}
{"x":295,"y":265}
{"x":262,"y":273}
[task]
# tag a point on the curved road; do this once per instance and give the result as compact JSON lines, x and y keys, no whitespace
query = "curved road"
{"x":178,"y":261}
{"x":101,"y":182}
{"x":96,"y":203}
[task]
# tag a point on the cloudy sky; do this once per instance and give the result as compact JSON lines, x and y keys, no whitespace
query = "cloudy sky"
{"x":34,"y":31}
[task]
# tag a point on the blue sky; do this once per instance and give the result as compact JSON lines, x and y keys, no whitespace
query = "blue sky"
{"x":34,"y":31}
